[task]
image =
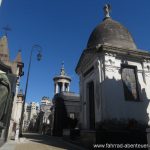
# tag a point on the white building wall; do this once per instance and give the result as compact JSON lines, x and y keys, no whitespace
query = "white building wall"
{"x":116,"y":105}
{"x":110,"y":102}
{"x":19,"y":110}
{"x":33,"y":110}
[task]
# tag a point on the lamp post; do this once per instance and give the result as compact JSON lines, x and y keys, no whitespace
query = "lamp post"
{"x":39,"y":56}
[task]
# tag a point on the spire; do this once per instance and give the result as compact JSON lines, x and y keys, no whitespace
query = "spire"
{"x":20,"y":64}
{"x":62,"y":71}
{"x":18,"y":57}
{"x":4,"y":51}
{"x":107,"y":9}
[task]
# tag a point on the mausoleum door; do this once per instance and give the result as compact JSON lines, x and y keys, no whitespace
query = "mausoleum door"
{"x":91,"y":105}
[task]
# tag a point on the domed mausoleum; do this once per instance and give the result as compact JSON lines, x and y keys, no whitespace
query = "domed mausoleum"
{"x":114,"y":79}
{"x":66,"y":108}
{"x":113,"y":33}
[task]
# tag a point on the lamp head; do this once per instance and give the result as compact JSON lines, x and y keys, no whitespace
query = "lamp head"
{"x":39,"y":56}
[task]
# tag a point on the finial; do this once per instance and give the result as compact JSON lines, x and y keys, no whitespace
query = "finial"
{"x":62,"y":64}
{"x":107,"y":9}
{"x":62,"y":69}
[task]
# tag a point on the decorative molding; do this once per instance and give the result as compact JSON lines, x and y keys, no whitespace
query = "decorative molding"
{"x":110,"y":61}
{"x":97,"y":64}
{"x":147,"y":74}
{"x":146,"y":60}
{"x":110,"y":54}
{"x":141,"y":71}
{"x":114,"y":69}
{"x":116,"y":51}
{"x":130,"y":52}
{"x":88,"y":71}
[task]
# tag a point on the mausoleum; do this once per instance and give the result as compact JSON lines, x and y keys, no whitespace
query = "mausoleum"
{"x":114,"y":78}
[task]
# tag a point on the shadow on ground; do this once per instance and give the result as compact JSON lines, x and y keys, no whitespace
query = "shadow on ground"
{"x":51,"y":141}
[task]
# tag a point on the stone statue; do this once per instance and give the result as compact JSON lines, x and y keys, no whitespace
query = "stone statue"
{"x":4,"y":94}
{"x":107,"y":9}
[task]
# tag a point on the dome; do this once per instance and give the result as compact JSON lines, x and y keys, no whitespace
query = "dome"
{"x":113,"y":33}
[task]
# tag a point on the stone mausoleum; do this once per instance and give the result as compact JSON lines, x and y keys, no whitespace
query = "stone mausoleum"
{"x":114,"y":78}
{"x":66,"y":108}
{"x":11,"y":99}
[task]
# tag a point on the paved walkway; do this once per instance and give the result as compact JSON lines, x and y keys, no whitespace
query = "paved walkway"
{"x":33,"y":141}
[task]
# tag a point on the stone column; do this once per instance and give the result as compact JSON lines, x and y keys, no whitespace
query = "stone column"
{"x":68,"y":87}
{"x":56,"y":88}
{"x":63,"y":86}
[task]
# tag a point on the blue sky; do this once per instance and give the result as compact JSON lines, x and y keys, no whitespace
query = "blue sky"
{"x":62,"y":29}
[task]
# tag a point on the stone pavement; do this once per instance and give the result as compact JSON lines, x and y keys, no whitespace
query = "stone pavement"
{"x":34,"y":141}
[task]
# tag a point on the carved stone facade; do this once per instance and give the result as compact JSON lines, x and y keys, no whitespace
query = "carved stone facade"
{"x":16,"y":67}
{"x":7,"y":90}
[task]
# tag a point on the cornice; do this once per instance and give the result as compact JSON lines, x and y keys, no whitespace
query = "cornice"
{"x":124,"y":51}
{"x":134,"y":53}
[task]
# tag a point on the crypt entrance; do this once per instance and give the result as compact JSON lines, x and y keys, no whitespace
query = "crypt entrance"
{"x":91,"y":102}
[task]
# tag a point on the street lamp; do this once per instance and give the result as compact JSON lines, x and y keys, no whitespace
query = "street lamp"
{"x":39,"y":57}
